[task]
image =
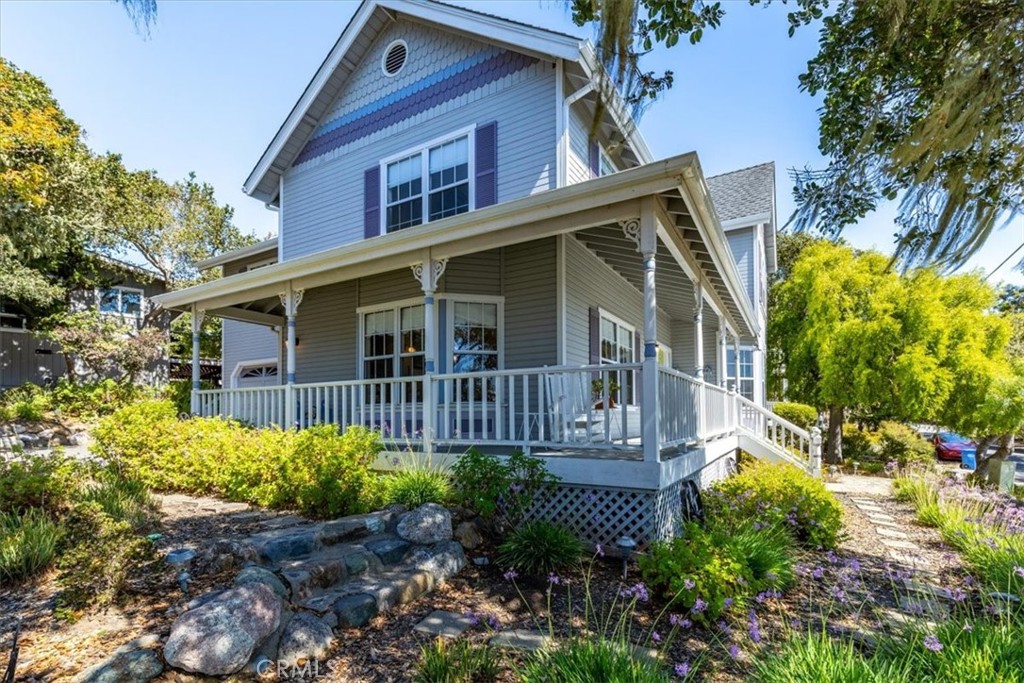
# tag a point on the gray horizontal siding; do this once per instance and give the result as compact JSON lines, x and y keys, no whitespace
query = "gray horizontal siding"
{"x":323,"y":198}
{"x":578,"y":159}
{"x":241,"y":342}
{"x":590,"y":282}
{"x":26,"y":358}
{"x":326,"y":329}
{"x":531,"y":304}
{"x":741,"y":243}
{"x":240,"y":265}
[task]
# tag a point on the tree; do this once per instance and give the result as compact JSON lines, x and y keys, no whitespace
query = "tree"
{"x":171,"y":227}
{"x":850,"y":333}
{"x":922,"y":100}
{"x":49,"y":199}
{"x":209,"y":337}
{"x":104,"y":345}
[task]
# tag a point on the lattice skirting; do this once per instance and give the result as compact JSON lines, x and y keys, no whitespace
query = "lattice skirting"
{"x":604,"y":515}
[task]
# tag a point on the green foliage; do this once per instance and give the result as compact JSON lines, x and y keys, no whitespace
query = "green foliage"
{"x":414,"y":487}
{"x":816,"y":657}
{"x":28,"y":544}
{"x":586,"y":660}
{"x":538,"y":548}
{"x":490,"y":485}
{"x":100,"y":557}
{"x":48,"y":483}
{"x":778,"y":495}
{"x":859,"y":444}
{"x":459,"y":661}
{"x":105,"y":345}
{"x":123,"y":499}
{"x":900,"y":443}
{"x":32,"y":403}
{"x":27,"y":403}
{"x":716,"y":564}
{"x":318,"y":471}
{"x":210,"y":337}
{"x":800,"y":414}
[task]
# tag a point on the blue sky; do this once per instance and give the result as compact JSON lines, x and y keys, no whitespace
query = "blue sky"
{"x":214,"y":81}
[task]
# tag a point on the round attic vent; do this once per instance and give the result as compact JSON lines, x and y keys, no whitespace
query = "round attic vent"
{"x":394,"y":57}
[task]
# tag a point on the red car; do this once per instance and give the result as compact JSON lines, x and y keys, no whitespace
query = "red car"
{"x":949,"y":446}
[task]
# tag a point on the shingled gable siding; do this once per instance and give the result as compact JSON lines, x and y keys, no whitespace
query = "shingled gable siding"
{"x":591,"y":283}
{"x":324,"y":195}
{"x":741,"y":243}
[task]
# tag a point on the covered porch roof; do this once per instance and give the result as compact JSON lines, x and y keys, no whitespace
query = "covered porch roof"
{"x":689,"y":233}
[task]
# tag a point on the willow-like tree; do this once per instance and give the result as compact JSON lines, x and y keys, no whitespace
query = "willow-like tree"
{"x":848,"y":332}
{"x":922,"y":101}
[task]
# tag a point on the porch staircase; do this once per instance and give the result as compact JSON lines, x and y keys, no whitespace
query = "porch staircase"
{"x":767,"y":436}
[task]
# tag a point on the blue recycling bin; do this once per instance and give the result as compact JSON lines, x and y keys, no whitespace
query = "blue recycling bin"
{"x":969,"y":458}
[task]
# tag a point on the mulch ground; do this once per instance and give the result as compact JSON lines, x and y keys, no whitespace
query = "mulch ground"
{"x":851,"y":592}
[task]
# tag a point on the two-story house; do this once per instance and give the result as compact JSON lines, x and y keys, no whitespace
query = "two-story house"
{"x":460,"y":262}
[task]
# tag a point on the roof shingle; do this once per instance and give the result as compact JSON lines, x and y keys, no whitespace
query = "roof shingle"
{"x":746,"y":192}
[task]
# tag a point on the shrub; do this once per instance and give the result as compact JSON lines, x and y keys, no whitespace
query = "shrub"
{"x":859,"y":444}
{"x":817,"y":657}
{"x":27,"y":403}
{"x":778,"y":495}
{"x":705,"y":567}
{"x":538,"y":548}
{"x":28,"y":544}
{"x":179,"y":392}
{"x":124,"y":499}
{"x":459,"y":661}
{"x":414,"y":487}
{"x":490,"y":486}
{"x":900,"y":443}
{"x":582,"y":660}
{"x":318,"y":471}
{"x":34,"y":481}
{"x":99,"y":559}
{"x":800,"y":414}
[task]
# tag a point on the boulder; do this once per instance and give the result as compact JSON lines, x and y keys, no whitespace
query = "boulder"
{"x":219,"y":637}
{"x":428,"y":524}
{"x":254,"y":574}
{"x":389,"y":550}
{"x":354,"y":611}
{"x":224,"y":555}
{"x":134,"y":666}
{"x":306,"y":637}
{"x":468,"y":534}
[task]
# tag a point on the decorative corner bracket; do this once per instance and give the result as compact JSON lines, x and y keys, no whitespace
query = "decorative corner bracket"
{"x":631,"y":229}
{"x":429,"y":276}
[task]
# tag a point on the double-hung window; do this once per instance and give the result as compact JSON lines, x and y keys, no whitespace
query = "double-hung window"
{"x":427,"y":184}
{"x":393,"y":342}
{"x":474,"y":336}
{"x":745,"y":385}
{"x":123,"y":301}
{"x":617,"y":346}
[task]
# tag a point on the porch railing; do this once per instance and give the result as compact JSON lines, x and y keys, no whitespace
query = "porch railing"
{"x":587,"y":407}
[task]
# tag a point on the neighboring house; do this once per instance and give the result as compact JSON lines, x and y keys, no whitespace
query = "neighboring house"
{"x":24,"y":357}
{"x":459,"y":263}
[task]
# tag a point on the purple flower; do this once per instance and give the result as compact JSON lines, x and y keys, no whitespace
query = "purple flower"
{"x":554,"y":579}
{"x":818,"y":572}
{"x":638,"y":591}
{"x":1019,"y":571}
{"x":511,"y":574}
{"x":494,"y":622}
{"x":599,"y":550}
{"x":681,"y":622}
{"x":755,"y":633}
{"x":682,"y":669}
{"x":734,"y":651}
{"x":689,"y":584}
{"x":727,"y":603}
{"x":796,"y":624}
{"x":932,"y":643}
{"x":698,"y":606}
{"x":656,"y":637}
{"x":724,"y":626}
{"x":473,"y":618}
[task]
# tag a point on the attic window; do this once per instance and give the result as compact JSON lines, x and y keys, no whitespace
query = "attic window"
{"x":394,"y":57}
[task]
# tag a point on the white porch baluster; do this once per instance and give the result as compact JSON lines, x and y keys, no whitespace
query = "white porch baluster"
{"x":197,"y":324}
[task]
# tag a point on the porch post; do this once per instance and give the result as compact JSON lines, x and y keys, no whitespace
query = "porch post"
{"x":736,"y":362}
{"x":650,"y":410}
{"x":698,"y":332}
{"x":429,"y":272}
{"x":197,"y":325}
{"x":290,"y":300}
{"x":723,"y":357}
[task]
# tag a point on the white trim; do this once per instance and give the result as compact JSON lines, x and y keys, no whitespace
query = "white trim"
{"x":243,"y":252}
{"x":17,"y":330}
{"x":396,"y":307}
{"x":604,"y":156}
{"x":746,"y":221}
{"x":612,"y":318}
{"x":561,"y":301}
{"x":240,"y":365}
{"x":561,"y":125}
{"x":384,"y":58}
{"x":469,"y":132}
{"x":263,"y":263}
{"x":120,"y":289}
{"x":474,"y":299}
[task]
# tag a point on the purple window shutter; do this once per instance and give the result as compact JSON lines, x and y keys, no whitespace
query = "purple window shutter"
{"x":595,"y":160}
{"x":371,"y":202}
{"x":486,"y":164}
{"x":595,"y":337}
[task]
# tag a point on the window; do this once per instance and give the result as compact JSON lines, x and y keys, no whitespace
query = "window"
{"x":664,"y":356}
{"x":382,"y":357}
{"x":746,"y":382}
{"x":474,"y":336}
{"x":12,"y":322}
{"x":604,"y":163}
{"x":123,"y":301}
{"x":428,"y":184}
{"x":258,"y":372}
{"x":259,"y":264}
{"x":616,"y":340}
